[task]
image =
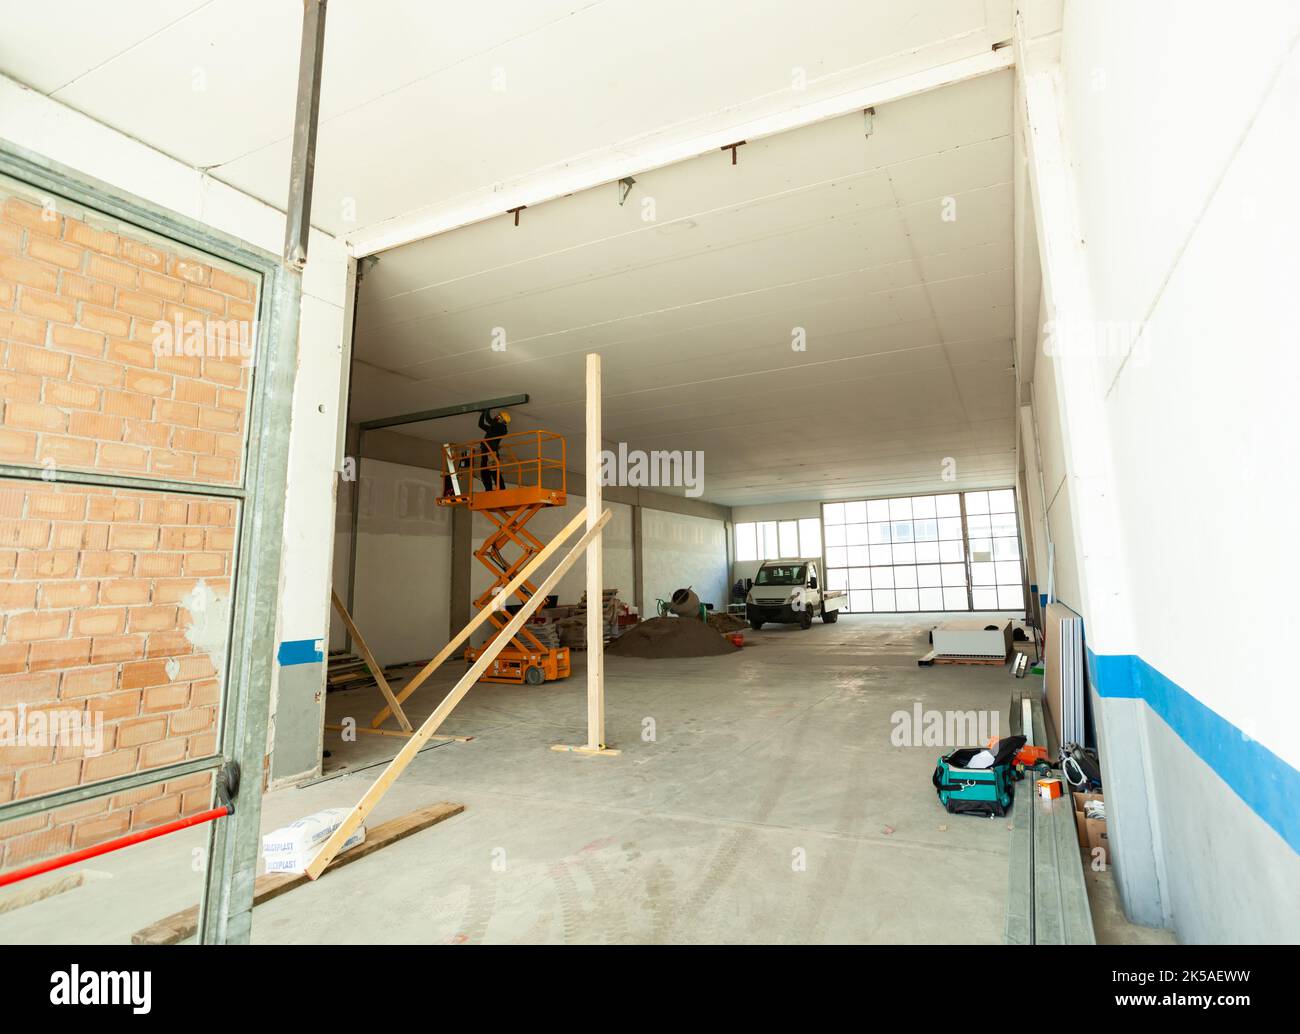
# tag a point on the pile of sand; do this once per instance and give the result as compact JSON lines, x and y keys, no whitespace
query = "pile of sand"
{"x":727,"y":623}
{"x":670,"y":637}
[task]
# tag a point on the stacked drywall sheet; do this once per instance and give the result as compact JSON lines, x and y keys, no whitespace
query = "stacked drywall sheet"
{"x":972,"y":638}
{"x":1063,"y":680}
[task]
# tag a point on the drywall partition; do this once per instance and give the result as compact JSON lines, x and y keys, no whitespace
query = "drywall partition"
{"x":400,"y":601}
{"x":680,"y":550}
{"x":44,"y":126}
{"x":1174,"y":282}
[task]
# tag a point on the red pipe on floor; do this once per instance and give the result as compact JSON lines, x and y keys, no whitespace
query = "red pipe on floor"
{"x":110,"y":845}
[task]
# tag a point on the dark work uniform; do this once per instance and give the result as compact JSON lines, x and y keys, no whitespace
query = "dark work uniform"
{"x":493,"y":428}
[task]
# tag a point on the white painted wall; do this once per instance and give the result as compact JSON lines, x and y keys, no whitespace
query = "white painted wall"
{"x":44,"y":126}
{"x":1180,"y":203}
{"x":681,"y":550}
{"x":401,"y":603}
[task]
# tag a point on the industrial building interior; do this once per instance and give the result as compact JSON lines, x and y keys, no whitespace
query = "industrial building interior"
{"x":909,"y":379}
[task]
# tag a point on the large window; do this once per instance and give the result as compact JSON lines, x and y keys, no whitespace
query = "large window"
{"x":779,"y":540}
{"x":925,"y":553}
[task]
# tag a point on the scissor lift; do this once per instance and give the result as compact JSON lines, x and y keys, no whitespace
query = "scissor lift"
{"x":527,"y":474}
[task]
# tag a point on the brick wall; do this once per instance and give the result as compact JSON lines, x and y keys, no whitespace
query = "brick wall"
{"x":99,"y":613}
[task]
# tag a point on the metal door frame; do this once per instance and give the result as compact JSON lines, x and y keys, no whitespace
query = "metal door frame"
{"x":227,"y":902}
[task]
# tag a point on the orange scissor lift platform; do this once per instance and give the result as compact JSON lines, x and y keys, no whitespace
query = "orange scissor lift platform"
{"x":509,"y":480}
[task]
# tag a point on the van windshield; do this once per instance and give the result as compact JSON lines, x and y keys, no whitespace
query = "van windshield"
{"x":781,"y":574}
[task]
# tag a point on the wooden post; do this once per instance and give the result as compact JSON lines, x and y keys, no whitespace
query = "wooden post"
{"x":425,"y":732}
{"x":363,"y":648}
{"x":595,"y":567}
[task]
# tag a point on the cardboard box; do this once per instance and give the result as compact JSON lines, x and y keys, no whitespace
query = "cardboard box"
{"x":1080,"y":822}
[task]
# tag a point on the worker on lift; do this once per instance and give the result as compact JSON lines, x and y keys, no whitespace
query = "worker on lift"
{"x":494,"y":428}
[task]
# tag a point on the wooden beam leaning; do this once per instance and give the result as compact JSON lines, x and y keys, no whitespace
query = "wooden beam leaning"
{"x":362,"y":648}
{"x":595,"y":567}
{"x":459,"y":639}
{"x":422,"y":735}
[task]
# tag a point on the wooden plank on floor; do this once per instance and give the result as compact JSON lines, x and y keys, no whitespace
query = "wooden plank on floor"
{"x":181,"y":925}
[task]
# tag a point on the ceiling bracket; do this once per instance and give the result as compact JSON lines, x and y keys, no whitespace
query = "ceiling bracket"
{"x":868,"y":121}
{"x":732,"y":149}
{"x":515,"y":212}
{"x":625,"y":188}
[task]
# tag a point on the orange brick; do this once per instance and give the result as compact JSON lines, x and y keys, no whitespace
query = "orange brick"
{"x":96,"y":831}
{"x":38,"y":361}
{"x":25,"y":534}
{"x":115,"y":706}
{"x":84,"y":290}
{"x":193,"y":720}
{"x":64,"y":506}
{"x":132,"y":733}
{"x":33,"y":781}
{"x":6,"y":295}
{"x":163,"y":809}
{"x":72,"y":396}
{"x":112,"y":271}
{"x":100,"y":563}
{"x":171,"y":464}
{"x":189,"y":440}
{"x":22,"y":386}
{"x":62,"y":595}
{"x":88,"y":236}
{"x":167,"y":698}
{"x":54,"y":252}
{"x":180,"y":365}
{"x":124,"y":591}
{"x":195,"y":667}
{"x":109,"y":766}
{"x":147,"y":382}
{"x":216,"y":468}
{"x":59,"y":563}
{"x":113,"y":456}
{"x":142,"y":432}
{"x":140,"y":674}
{"x":89,"y":681}
{"x":99,"y":621}
{"x":79,"y":536}
{"x":187,"y":269}
{"x":202,"y":298}
{"x":138,"y":304}
{"x":17,"y":446}
{"x":97,"y":426}
{"x":143,"y":255}
{"x":196,"y":392}
{"x":168,"y":644}
{"x":47,"y":307}
{"x":115,"y":649}
{"x":235,"y":286}
{"x":105,"y":321}
{"x":162,"y":286}
{"x":17,"y":596}
{"x":67,"y":452}
{"x":181,"y":539}
{"x":221,"y":372}
{"x":228,"y":398}
{"x":152,"y":619}
{"x":58,"y":653}
{"x":74,"y":339}
{"x":177,"y":413}
{"x":164,"y":511}
{"x":25,"y":688}
{"x":158,"y":565}
{"x":38,"y":845}
{"x":25,"y":271}
{"x":35,"y":417}
{"x":242,"y":311}
{"x":219,"y":420}
{"x":26,"y":329}
{"x":128,"y":404}
{"x":133,"y":536}
{"x":219,"y":515}
{"x":33,"y":625}
{"x":204,"y":565}
{"x":173,"y":590}
{"x":132,"y":353}
{"x":37,"y":219}
{"x":11,"y":240}
{"x":112,"y":509}
{"x":88,"y":371}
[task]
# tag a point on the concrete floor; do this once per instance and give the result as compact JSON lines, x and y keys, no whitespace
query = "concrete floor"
{"x":769,"y":805}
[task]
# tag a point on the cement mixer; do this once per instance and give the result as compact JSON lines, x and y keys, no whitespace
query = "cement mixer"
{"x":684,"y":604}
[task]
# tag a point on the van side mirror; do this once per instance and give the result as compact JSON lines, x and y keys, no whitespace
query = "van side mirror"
{"x":812,"y":582}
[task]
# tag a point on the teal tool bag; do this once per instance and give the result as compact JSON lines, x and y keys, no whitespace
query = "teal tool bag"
{"x":977,"y":791}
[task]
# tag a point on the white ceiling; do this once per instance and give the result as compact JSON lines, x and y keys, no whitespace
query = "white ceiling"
{"x":425,"y":103}
{"x":907,"y":315}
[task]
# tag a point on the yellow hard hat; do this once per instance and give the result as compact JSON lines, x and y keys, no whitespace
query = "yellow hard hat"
{"x":505,"y":416}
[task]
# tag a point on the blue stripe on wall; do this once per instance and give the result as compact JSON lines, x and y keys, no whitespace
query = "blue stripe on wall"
{"x":1259,"y":777}
{"x":299,"y":651}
